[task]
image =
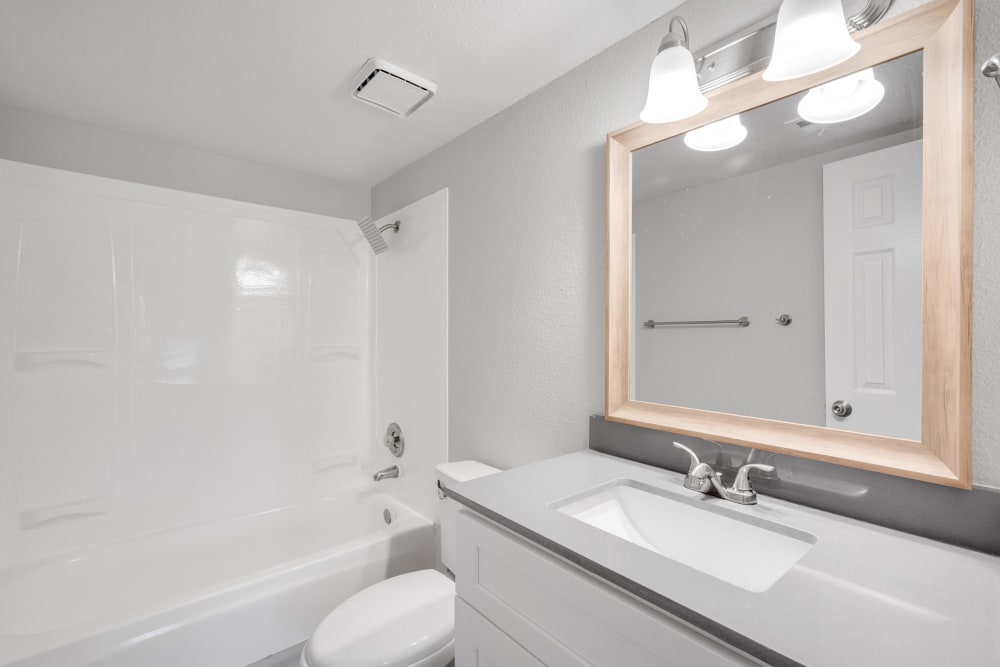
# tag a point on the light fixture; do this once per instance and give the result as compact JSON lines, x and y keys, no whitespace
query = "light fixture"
{"x":842,"y":99}
{"x":811,"y":36}
{"x":717,"y":136}
{"x":673,"y":84}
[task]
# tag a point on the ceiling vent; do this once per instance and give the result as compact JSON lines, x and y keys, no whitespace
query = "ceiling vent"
{"x":805,"y":126}
{"x":391,"y":88}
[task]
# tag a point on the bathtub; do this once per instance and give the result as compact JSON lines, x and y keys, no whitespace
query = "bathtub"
{"x":221,"y":594}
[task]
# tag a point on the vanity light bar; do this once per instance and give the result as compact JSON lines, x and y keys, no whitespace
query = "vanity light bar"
{"x":749,"y":51}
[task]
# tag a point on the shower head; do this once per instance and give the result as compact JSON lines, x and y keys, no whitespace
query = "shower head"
{"x":374,"y":234}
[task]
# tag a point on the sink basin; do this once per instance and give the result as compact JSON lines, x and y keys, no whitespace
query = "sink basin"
{"x":736,"y":547}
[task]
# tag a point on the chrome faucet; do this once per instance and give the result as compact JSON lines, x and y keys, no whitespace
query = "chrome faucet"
{"x":386,"y":473}
{"x":703,"y":479}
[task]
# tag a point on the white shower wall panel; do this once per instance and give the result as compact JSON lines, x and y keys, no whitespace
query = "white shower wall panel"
{"x":170,"y":359}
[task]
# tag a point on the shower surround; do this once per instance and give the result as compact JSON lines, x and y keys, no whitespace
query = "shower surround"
{"x":190,"y":377}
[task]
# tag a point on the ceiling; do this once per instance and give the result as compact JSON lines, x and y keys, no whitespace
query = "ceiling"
{"x":773,"y":138}
{"x":267,"y":80}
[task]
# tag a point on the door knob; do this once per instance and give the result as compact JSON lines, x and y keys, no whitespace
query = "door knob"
{"x":841,"y":409}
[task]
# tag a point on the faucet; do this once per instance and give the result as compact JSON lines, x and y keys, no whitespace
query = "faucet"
{"x":386,"y":473}
{"x":703,"y":479}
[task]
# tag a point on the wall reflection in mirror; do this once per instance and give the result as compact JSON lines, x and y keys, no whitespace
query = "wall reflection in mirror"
{"x":808,"y":208}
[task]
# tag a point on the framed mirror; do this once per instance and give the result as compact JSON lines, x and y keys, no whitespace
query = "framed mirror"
{"x":791,"y":268}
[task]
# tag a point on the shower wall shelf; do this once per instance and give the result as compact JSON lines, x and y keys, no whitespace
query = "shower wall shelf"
{"x":32,"y":517}
{"x":31,"y":359}
{"x":335,"y":459}
{"x":324,"y":351}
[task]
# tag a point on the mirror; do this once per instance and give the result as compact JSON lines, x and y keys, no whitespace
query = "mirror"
{"x":797,"y":255}
{"x":805,"y":288}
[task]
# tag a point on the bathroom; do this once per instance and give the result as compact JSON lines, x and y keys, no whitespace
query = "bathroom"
{"x":347,"y":334}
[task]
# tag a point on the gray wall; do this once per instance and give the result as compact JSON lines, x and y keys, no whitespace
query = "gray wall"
{"x":26,"y":136}
{"x":725,"y":250}
{"x":526,"y":256}
{"x":750,"y":245}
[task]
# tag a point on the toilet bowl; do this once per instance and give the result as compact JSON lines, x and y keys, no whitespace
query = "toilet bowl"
{"x":403,"y":621}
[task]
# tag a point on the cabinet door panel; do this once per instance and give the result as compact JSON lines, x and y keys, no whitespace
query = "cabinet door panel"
{"x":522,"y":590}
{"x":479,"y":643}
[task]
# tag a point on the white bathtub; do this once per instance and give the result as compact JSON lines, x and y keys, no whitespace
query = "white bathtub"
{"x":222,"y":594}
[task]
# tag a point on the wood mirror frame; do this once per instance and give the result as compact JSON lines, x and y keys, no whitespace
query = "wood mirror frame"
{"x":943,"y":29}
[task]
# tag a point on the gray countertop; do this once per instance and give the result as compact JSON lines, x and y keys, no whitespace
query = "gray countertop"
{"x":862,"y":595}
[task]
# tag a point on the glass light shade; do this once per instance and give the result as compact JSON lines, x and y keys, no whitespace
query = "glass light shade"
{"x":843,"y":99}
{"x":673,"y":88}
{"x":717,"y":136}
{"x":810,"y":37}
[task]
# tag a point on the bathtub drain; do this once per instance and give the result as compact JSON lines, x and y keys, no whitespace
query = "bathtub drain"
{"x":387,"y":516}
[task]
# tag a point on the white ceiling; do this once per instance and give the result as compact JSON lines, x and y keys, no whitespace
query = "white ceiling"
{"x":267,"y":81}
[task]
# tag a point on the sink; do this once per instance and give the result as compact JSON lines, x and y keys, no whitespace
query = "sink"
{"x":734,"y":546}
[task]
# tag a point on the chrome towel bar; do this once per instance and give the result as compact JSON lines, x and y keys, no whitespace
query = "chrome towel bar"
{"x":741,"y":322}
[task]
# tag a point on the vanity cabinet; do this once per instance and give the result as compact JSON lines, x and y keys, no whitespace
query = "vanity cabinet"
{"x":518,"y":605}
{"x":483,"y":644}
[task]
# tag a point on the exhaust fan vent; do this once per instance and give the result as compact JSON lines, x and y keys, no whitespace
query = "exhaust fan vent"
{"x":391,"y":88}
{"x":805,"y":126}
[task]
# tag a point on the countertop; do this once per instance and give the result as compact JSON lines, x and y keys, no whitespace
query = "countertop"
{"x":862,"y":595}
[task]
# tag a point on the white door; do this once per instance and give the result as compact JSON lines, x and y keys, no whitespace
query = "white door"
{"x":872,"y":275}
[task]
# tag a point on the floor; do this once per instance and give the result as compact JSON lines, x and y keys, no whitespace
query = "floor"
{"x":287,"y":658}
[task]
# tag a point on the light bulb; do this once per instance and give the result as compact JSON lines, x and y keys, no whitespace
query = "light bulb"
{"x":673,"y":91}
{"x":843,"y":99}
{"x":810,"y":37}
{"x":717,"y":136}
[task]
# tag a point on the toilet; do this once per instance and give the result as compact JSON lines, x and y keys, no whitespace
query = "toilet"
{"x":404,"y":621}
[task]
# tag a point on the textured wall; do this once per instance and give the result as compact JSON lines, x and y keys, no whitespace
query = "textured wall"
{"x":48,"y":141}
{"x":726,"y":249}
{"x":527,"y":248}
{"x":526,"y":260}
{"x":986,"y":287}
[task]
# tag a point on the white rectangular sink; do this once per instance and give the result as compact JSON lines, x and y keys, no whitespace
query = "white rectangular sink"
{"x":738,"y":548}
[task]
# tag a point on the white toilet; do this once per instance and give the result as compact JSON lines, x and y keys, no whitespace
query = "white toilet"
{"x":405,"y":621}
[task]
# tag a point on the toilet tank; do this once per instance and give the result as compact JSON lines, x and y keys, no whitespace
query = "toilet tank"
{"x":449,"y":474}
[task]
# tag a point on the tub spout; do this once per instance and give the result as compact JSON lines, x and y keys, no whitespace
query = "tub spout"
{"x":386,"y":473}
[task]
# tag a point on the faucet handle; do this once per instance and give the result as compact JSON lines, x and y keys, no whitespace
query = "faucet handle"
{"x":742,"y":481}
{"x":699,"y":473}
{"x":695,"y":461}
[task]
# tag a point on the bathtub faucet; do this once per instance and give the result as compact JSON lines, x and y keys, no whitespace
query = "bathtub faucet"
{"x":386,"y":473}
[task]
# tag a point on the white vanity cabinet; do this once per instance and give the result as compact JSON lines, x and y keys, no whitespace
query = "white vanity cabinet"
{"x":518,"y":605}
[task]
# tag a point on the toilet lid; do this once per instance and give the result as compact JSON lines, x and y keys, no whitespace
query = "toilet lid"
{"x":393,"y":623}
